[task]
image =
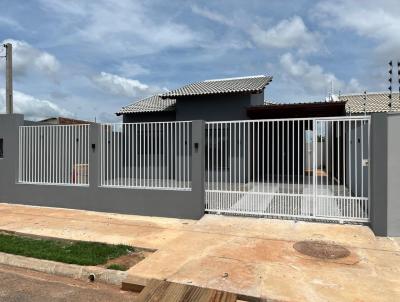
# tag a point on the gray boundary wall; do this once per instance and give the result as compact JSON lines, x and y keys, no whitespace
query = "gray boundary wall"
{"x":150,"y":202}
{"x":385,"y":174}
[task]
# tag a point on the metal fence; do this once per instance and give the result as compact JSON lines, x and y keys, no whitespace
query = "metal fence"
{"x":54,"y":154}
{"x":302,"y":168}
{"x":146,"y":155}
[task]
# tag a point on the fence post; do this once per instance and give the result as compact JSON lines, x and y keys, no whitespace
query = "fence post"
{"x":198,"y":165}
{"x":9,"y":132}
{"x":385,"y":174}
{"x":94,"y":155}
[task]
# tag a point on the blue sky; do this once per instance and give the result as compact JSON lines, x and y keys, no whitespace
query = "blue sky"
{"x":86,"y":59}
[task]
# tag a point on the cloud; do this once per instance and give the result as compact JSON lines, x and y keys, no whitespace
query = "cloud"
{"x":211,"y":15}
{"x":122,"y":26}
{"x":132,"y":69}
{"x":287,"y":34}
{"x":10,"y":22}
{"x":313,"y":78}
{"x":381,"y":23}
{"x":27,"y":58}
{"x":121,"y":86}
{"x":33,"y":108}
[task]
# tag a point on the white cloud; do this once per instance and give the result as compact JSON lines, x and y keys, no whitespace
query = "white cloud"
{"x":33,"y":108}
{"x":313,"y":78}
{"x":123,"y":26}
{"x":211,"y":15}
{"x":132,"y":69}
{"x":121,"y":86}
{"x":380,"y":23}
{"x":287,"y":34}
{"x":27,"y":58}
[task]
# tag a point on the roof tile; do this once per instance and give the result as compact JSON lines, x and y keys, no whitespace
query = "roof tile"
{"x":375,"y":102}
{"x":221,"y":86}
{"x":150,"y":104}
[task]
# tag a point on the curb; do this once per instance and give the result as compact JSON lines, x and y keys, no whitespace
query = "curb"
{"x":66,"y":270}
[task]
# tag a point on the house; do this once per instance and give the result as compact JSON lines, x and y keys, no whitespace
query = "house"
{"x":219,"y":99}
{"x":242,"y":98}
{"x":56,"y":121}
{"x":338,"y":156}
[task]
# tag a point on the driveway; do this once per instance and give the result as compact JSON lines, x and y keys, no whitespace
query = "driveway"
{"x":247,"y":256}
{"x":22,"y":285}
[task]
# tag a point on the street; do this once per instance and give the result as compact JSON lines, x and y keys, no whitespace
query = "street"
{"x":22,"y":285}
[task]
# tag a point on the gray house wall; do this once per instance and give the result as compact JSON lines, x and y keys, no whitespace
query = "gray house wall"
{"x":215,"y":107}
{"x":152,"y":202}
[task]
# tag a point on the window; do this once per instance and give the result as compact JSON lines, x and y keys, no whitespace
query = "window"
{"x":1,"y":148}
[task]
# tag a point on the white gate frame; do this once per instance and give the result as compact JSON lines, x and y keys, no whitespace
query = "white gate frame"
{"x":333,"y":197}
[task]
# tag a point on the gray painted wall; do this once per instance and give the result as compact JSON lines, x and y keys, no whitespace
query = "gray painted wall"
{"x":385,"y":174}
{"x":213,"y":107}
{"x":166,"y":203}
{"x":207,"y":107}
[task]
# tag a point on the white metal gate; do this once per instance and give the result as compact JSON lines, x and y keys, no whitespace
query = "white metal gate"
{"x":294,"y":168}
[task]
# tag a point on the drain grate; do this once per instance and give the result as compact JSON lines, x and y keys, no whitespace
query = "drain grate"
{"x":321,"y":249}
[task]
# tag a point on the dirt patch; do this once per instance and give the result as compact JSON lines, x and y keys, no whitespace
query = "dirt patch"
{"x":129,"y":260}
{"x":321,"y":249}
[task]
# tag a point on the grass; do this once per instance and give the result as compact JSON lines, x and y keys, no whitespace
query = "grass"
{"x":73,"y":252}
{"x":117,"y":267}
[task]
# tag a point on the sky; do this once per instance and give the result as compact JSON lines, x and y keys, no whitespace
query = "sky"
{"x":87,"y":59}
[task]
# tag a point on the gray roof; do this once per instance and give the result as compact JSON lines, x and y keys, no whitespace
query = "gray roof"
{"x":150,"y":104}
{"x":375,"y":102}
{"x":252,"y":84}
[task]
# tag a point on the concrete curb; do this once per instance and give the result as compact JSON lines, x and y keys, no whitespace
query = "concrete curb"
{"x":62,"y":269}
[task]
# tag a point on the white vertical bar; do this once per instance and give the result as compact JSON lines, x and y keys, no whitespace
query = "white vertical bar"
{"x":141,"y":149}
{"x":164,"y":154}
{"x":362,"y":157}
{"x":230,"y":156}
{"x":137,"y":156}
{"x":234,"y":156}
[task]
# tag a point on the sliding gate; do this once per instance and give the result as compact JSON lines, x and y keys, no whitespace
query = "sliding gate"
{"x":293,"y":168}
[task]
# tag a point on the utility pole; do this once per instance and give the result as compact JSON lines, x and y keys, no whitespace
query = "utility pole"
{"x":9,"y":81}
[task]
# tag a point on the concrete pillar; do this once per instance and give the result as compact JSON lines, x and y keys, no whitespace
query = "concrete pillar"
{"x":198,"y":165}
{"x":9,"y":132}
{"x":385,"y":174}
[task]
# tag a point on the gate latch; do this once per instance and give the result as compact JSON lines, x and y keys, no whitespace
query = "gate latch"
{"x":365,"y":162}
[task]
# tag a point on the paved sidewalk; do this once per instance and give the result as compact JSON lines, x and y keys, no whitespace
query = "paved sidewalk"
{"x":248,"y":256}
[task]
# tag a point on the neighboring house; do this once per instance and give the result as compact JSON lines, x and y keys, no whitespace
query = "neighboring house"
{"x":56,"y":121}
{"x":62,"y":121}
{"x":210,"y":100}
{"x":373,"y":102}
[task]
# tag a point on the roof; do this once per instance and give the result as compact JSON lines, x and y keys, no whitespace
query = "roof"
{"x":62,"y":121}
{"x":296,"y":110}
{"x":251,"y":84}
{"x":150,"y":104}
{"x":375,"y":102}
